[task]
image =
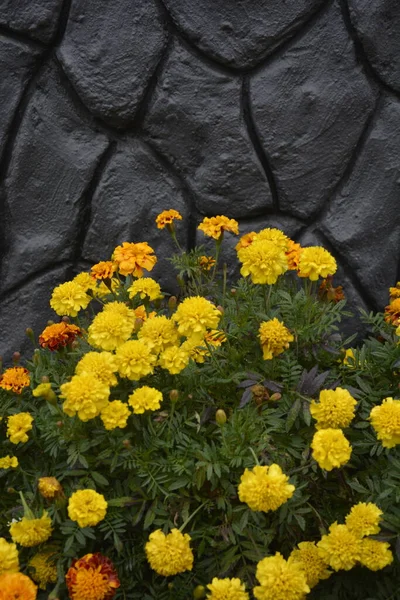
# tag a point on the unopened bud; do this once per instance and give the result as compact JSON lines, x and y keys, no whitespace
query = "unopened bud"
{"x":36,"y":356}
{"x":233,"y":292}
{"x":275,"y":397}
{"x":126,"y":444}
{"x":221,"y":309}
{"x":171,"y":585}
{"x":174,"y":395}
{"x":16,"y":357}
{"x":190,"y":396}
{"x":66,"y":319}
{"x":59,"y":423}
{"x":180,"y":281}
{"x":172,"y":302}
{"x":11,"y":490}
{"x":220,"y":417}
{"x":74,"y":344}
{"x":138,"y":325}
{"x":30,"y":334}
{"x":45,"y":379}
{"x":199,"y":592}
{"x":50,"y":322}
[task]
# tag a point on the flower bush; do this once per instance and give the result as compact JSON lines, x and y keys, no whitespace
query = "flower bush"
{"x":227,"y":442}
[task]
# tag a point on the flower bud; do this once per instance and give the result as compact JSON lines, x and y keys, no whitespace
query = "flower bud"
{"x":11,"y":490}
{"x":45,"y":379}
{"x":199,"y":592}
{"x":233,"y":292}
{"x":220,"y":417}
{"x":126,"y":444}
{"x":138,"y":325}
{"x":59,"y":424}
{"x":221,"y":309}
{"x":174,"y":395}
{"x":30,"y":334}
{"x":36,"y":356}
{"x":50,"y":322}
{"x":16,"y":357}
{"x":172,"y":302}
{"x":73,"y":345}
{"x":66,"y":319}
{"x":50,"y":488}
{"x":275,"y":397}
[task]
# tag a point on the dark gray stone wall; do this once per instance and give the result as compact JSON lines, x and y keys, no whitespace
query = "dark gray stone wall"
{"x":276,"y":113}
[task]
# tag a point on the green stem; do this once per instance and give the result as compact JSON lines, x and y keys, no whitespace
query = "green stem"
{"x":27,"y":511}
{"x":190,"y":517}
{"x":255,"y":456}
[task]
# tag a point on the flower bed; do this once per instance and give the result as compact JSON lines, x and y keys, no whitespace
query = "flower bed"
{"x":225,"y":443}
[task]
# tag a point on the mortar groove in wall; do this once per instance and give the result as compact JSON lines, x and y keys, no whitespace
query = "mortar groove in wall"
{"x":30,"y":278}
{"x":62,"y":22}
{"x":22,"y":38}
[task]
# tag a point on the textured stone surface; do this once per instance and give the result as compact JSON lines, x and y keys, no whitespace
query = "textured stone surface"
{"x":17,"y":60}
{"x":363,"y":220}
{"x":36,"y":18}
{"x":377,"y":23}
{"x":310,"y":106}
{"x":133,"y":190}
{"x":241,"y":33}
{"x":110,"y":51}
{"x":54,"y":159}
{"x":196,"y":122}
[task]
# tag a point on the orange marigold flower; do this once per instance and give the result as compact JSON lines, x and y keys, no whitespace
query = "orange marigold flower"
{"x":330,"y":293}
{"x":103,"y":270}
{"x":293,"y":255}
{"x":92,"y":577}
{"x":17,"y":586}
{"x":58,"y":335}
{"x":133,"y":258}
{"x":394,"y":292}
{"x":392,"y":312}
{"x":15,"y":379}
{"x":206,"y":262}
{"x":246,"y":240}
{"x":50,"y":488}
{"x":167,"y":217}
{"x":215,"y":226}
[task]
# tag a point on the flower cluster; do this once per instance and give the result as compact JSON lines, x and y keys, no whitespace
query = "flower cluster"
{"x":15,"y":379}
{"x":169,"y":554}
{"x":265,"y":488}
{"x":87,"y":508}
{"x":58,"y":335}
{"x":18,"y":427}
{"x":215,"y":227}
{"x":335,"y":409}
{"x":274,"y":338}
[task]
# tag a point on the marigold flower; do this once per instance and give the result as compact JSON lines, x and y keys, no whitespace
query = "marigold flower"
{"x":280,"y":580}
{"x":265,"y":488}
{"x":375,"y":555}
{"x":334,"y":410}
{"x":311,"y":560}
{"x":135,"y":360}
{"x":330,"y":293}
{"x":330,"y":448}
{"x":215,"y":226}
{"x":167,"y":217}
{"x":8,"y":462}
{"x":18,"y":426}
{"x":105,"y":269}
{"x":58,"y":335}
{"x":145,"y":287}
{"x":109,"y":329}
{"x":274,"y":235}
{"x":363,"y":519}
{"x":349,"y":354}
{"x":115,"y":414}
{"x":50,"y":488}
{"x":133,"y":258}
{"x":206,"y":262}
{"x":195,"y":349}
{"x":340,"y":548}
{"x":31,"y":532}
{"x":246,"y":240}
{"x":100,"y":364}
{"x":274,"y":338}
{"x":394,"y":292}
{"x":293,"y":252}
{"x":85,"y":280}
{"x":316,"y":262}
{"x":44,"y":390}
{"x":92,"y":577}
{"x":159,"y":333}
{"x":145,"y":398}
{"x":392,"y":312}
{"x":195,"y":315}
{"x":85,"y":395}
{"x":69,"y":298}
{"x":17,"y":585}
{"x":169,"y":554}
{"x":42,"y":568}
{"x":174,"y":359}
{"x":87,"y":508}
{"x":385,"y":419}
{"x":15,"y":379}
{"x":215,"y":338}
{"x":9,"y":559}
{"x":263,"y":260}
{"x":227,"y":589}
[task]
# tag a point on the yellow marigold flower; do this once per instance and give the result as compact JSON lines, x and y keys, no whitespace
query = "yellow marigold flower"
{"x":9,"y":559}
{"x":69,"y":298}
{"x":334,"y":410}
{"x":265,"y":488}
{"x":85,"y":281}
{"x":15,"y":379}
{"x":274,"y":338}
{"x":31,"y":532}
{"x":215,"y":338}
{"x":167,"y":217}
{"x":195,"y":315}
{"x":215,"y":226}
{"x":276,"y":236}
{"x":392,"y":312}
{"x":133,"y":258}
{"x":44,"y":390}
{"x":58,"y":335}
{"x":174,"y":359}
{"x":246,"y":240}
{"x":169,"y":554}
{"x":85,"y":395}
{"x":121,"y":309}
{"x":145,"y":398}
{"x":316,"y":262}
{"x":115,"y":414}
{"x":293,"y":255}
{"x":227,"y":589}
{"x":146,"y":287}
{"x":330,"y":448}
{"x":263,"y":260}
{"x":92,"y":577}
{"x":50,"y":488}
{"x":375,"y":555}
{"x":159,"y":333}
{"x":87,"y":508}
{"x":280,"y":580}
{"x":349,"y":354}
{"x":340,"y":548}
{"x":394,"y":292}
{"x":105,"y":269}
{"x":8,"y":462}
{"x":102,"y":290}
{"x":363,"y":519}
{"x":42,"y":568}
{"x":195,"y":349}
{"x":311,"y":560}
{"x":100,"y":364}
{"x":206,"y":263}
{"x":109,"y":330}
{"x":18,"y":426}
{"x":385,"y":419}
{"x":17,"y":585}
{"x":135,"y":360}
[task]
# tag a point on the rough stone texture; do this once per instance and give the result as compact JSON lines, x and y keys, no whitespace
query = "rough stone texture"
{"x":110,"y":51}
{"x":310,"y":106}
{"x":377,"y":23}
{"x":17,"y":60}
{"x":195,"y":120}
{"x":36,"y":18}
{"x":240,"y":34}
